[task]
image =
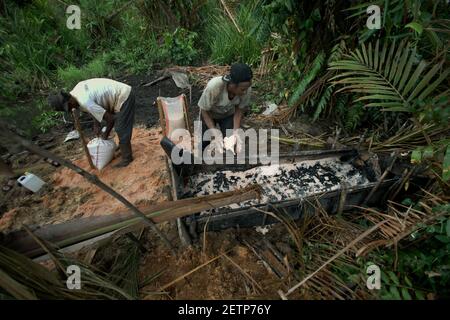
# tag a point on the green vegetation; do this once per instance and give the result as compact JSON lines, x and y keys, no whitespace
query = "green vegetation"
{"x":39,"y":53}
{"x":71,"y":75}
{"x":179,"y":46}
{"x":121,"y":37}
{"x":240,"y":39}
{"x":319,"y":59}
{"x":386,"y":76}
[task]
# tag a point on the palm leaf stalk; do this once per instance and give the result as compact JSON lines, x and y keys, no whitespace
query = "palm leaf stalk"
{"x":22,"y":278}
{"x":76,"y":231}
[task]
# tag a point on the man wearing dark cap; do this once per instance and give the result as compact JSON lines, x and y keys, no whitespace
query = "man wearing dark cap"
{"x":103,"y":99}
{"x":223,"y":102}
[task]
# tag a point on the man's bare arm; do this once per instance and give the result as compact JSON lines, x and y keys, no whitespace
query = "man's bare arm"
{"x":208,"y":119}
{"x":96,"y":127}
{"x":238,"y":114}
{"x":109,"y":118}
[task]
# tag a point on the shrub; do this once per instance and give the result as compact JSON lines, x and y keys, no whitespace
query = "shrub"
{"x":227,"y":44}
{"x":179,"y":46}
{"x":137,"y":49}
{"x":97,"y":68}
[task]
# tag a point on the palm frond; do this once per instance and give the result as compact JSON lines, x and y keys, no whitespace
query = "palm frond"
{"x":303,"y":84}
{"x":321,"y":105}
{"x":23,"y":278}
{"x":386,"y":77}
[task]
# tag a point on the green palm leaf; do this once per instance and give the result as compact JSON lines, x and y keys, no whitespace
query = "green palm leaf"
{"x":390,"y":77}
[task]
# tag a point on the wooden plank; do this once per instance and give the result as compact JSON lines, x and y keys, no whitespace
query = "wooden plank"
{"x":187,"y":117}
{"x":83,"y":140}
{"x":162,"y":119}
{"x":182,"y":232}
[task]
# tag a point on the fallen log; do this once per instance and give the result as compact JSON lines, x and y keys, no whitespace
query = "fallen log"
{"x":76,"y":231}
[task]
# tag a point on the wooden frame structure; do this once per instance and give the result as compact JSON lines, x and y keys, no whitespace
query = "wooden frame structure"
{"x":162,"y":118}
{"x":182,"y":231}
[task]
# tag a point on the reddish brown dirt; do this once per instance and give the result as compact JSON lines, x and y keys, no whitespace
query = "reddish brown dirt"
{"x":71,"y":199}
{"x":69,"y":195}
{"x":143,"y":180}
{"x":219,"y":279}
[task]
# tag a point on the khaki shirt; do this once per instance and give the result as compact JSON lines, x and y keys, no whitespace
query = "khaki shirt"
{"x":98,"y":95}
{"x":215,"y":99}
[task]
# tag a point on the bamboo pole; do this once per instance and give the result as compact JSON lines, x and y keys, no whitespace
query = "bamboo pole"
{"x":83,"y":140}
{"x":79,"y":230}
{"x":90,"y":177}
{"x":163,"y":77}
{"x":187,"y":117}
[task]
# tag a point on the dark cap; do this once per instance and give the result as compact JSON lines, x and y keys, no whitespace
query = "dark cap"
{"x":59,"y":101}
{"x":240,"y":72}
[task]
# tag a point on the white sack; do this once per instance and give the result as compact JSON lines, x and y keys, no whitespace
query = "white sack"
{"x":101,"y":151}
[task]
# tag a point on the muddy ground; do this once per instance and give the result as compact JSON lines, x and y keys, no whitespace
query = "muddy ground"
{"x":238,"y":275}
{"x":146,"y":110}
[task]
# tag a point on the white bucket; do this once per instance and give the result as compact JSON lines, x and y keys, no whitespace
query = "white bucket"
{"x":31,"y":182}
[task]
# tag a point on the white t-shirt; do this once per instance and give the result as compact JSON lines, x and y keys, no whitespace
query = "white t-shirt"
{"x":215,"y":99}
{"x":98,"y":95}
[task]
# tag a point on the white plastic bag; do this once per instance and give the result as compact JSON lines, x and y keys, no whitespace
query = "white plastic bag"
{"x":72,"y":135}
{"x":101,"y":151}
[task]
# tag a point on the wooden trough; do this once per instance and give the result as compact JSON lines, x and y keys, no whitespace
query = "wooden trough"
{"x":375,"y":192}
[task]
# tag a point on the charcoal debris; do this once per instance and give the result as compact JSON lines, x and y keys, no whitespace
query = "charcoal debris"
{"x":280,"y":182}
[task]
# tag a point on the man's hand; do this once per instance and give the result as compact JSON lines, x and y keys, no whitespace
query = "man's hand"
{"x":217,"y":145}
{"x":109,"y":118}
{"x":105,"y":136}
{"x":229,"y":143}
{"x":233,"y":142}
{"x":239,"y":143}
